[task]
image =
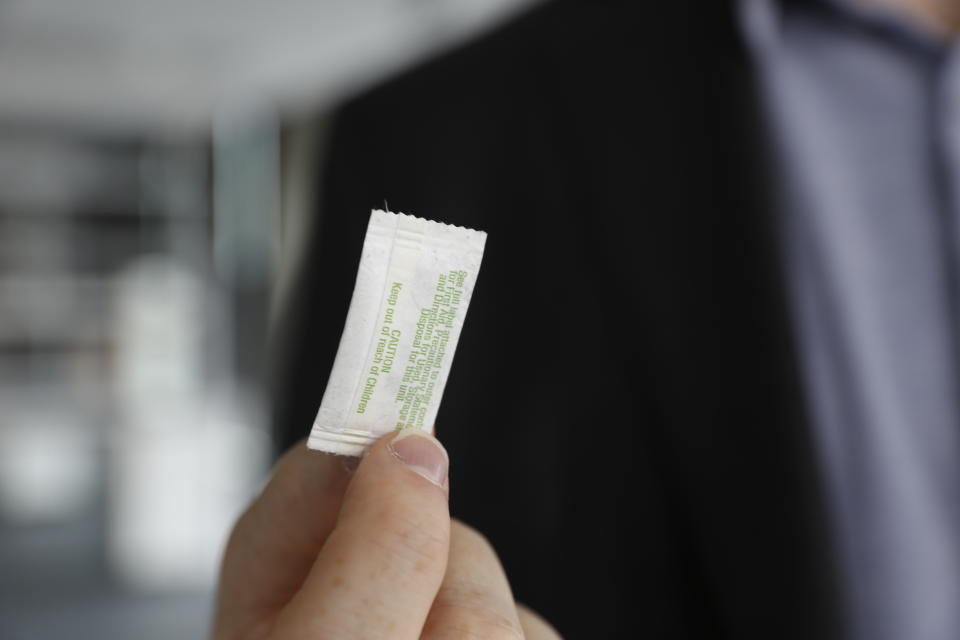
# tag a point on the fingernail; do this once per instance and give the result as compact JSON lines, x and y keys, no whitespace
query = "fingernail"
{"x":422,"y":453}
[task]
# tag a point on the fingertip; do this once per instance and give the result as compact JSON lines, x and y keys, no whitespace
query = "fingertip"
{"x":417,"y":453}
{"x":422,"y":453}
{"x":301,"y":498}
{"x":301,"y":459}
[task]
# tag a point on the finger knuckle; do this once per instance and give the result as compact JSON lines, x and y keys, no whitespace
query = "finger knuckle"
{"x":470,"y":537}
{"x":468,"y":609}
{"x":468,"y":623}
{"x":418,"y":541}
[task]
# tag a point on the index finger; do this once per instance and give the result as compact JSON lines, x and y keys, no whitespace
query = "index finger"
{"x":381,"y":567}
{"x":276,"y":540}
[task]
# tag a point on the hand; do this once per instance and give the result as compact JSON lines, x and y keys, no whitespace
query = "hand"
{"x":373,"y":555}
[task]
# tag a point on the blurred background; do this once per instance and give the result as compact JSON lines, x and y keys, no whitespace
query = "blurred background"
{"x":157,"y":167}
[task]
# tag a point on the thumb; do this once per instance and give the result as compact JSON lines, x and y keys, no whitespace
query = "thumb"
{"x":381,"y":567}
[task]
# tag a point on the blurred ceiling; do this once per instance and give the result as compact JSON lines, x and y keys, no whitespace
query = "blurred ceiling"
{"x":172,"y":66}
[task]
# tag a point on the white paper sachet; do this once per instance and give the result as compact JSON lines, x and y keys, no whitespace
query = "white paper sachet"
{"x":413,"y":287}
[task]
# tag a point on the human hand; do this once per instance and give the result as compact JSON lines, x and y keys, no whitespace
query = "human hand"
{"x":372,"y":555}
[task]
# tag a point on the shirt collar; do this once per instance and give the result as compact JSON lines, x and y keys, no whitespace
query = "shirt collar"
{"x":769,"y":15}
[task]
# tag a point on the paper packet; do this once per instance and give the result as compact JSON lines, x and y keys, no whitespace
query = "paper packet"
{"x":413,"y":287}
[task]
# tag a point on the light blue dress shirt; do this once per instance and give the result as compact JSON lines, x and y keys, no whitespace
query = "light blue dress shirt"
{"x":865,"y":112}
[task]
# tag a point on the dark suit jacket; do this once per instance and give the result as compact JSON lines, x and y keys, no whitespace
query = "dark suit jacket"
{"x":624,"y":416}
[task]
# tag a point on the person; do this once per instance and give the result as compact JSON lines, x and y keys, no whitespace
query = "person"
{"x":708,"y":383}
{"x":328,"y":553}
